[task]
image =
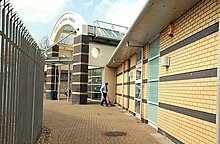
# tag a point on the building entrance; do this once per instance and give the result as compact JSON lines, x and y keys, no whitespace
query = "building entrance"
{"x":138,"y":83}
{"x":94,"y":83}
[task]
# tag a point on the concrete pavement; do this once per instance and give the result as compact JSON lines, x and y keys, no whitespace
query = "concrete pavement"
{"x":95,"y":124}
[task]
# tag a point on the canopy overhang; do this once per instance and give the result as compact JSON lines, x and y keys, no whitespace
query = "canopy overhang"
{"x":155,"y":16}
{"x":59,"y":61}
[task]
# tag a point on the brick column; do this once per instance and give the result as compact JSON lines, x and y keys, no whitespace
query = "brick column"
{"x":52,"y":74}
{"x":80,"y":69}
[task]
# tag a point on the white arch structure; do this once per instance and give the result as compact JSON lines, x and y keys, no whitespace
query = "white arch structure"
{"x":71,"y":19}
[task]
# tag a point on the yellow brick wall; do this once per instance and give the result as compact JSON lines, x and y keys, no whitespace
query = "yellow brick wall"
{"x":196,"y":94}
{"x":118,"y":99}
{"x":133,"y":60}
{"x":198,"y":55}
{"x":126,"y":103}
{"x":126,"y":89}
{"x":119,"y":79}
{"x":146,"y":51}
{"x":133,"y":63}
{"x":144,"y":111}
{"x":203,"y":15}
{"x":131,"y":105}
{"x":119,"y":87}
{"x":126,"y":86}
{"x":187,"y":129}
{"x":119,"y":69}
{"x":145,"y":66}
{"x":132,"y":86}
{"x":145,"y":85}
{"x":126,"y":65}
{"x":123,"y":90}
{"x":126,"y":77}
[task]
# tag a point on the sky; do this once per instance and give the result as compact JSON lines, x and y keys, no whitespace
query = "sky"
{"x":39,"y":16}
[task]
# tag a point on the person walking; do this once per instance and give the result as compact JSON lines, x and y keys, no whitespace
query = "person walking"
{"x":104,"y":91}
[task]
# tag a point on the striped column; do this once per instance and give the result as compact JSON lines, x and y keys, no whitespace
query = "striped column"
{"x":52,"y":74}
{"x":80,"y":69}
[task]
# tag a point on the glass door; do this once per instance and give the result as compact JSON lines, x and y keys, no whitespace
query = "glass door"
{"x":153,"y":64}
{"x":94,"y":83}
{"x":138,"y":83}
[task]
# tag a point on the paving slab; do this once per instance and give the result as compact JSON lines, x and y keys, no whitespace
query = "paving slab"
{"x":96,"y":124}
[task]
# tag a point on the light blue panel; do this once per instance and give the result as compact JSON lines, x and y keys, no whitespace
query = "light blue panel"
{"x":152,"y":112}
{"x":154,"y":69}
{"x":138,"y":73}
{"x":153,"y":92}
{"x":137,"y":106}
{"x":154,"y":48}
{"x":153,"y":85}
{"x":138,"y":58}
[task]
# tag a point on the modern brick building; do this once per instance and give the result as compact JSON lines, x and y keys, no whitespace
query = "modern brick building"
{"x":173,"y":57}
{"x":79,"y":52}
{"x":164,"y":70}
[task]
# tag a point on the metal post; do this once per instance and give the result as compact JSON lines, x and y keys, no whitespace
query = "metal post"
{"x":59,"y":82}
{"x":5,"y":88}
{"x":68,"y":94}
{"x":34,"y":100}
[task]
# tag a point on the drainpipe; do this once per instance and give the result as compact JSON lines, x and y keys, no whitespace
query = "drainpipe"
{"x":218,"y":95}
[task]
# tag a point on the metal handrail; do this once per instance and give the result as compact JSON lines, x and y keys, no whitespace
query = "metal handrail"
{"x":96,"y":25}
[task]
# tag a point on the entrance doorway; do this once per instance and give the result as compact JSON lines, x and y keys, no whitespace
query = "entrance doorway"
{"x":94,"y":83}
{"x":138,"y":83}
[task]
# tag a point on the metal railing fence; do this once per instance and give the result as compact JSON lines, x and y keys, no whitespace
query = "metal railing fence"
{"x":21,"y":80}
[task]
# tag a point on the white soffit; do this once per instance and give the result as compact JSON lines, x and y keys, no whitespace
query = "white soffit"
{"x":155,"y":16}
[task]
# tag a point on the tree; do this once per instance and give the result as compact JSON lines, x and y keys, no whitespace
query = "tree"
{"x":44,"y":42}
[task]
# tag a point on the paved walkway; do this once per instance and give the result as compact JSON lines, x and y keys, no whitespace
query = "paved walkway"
{"x":89,"y":124}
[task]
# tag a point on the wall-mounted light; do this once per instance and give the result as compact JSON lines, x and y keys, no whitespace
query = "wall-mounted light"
{"x":171,"y":30}
{"x":165,"y":61}
{"x":136,"y":46}
{"x":117,"y":61}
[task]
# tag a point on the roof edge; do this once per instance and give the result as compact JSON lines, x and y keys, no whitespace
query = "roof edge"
{"x":135,"y":22}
